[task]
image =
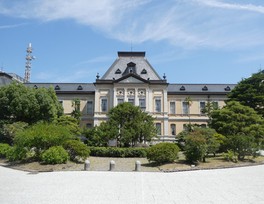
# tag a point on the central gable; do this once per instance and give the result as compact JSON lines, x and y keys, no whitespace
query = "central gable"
{"x":131,"y":62}
{"x":131,"y":79}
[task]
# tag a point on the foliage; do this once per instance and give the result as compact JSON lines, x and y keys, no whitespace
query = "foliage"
{"x":234,"y":118}
{"x":250,"y":92}
{"x":163,"y":153}
{"x":21,"y":103}
{"x":130,"y":125}
{"x":195,"y":147}
{"x":55,"y":155}
{"x":17,"y":153}
{"x":10,"y":130}
{"x":99,"y":136}
{"x":76,"y":113}
{"x":77,"y":150}
{"x":230,"y":156}
{"x":241,"y":145}
{"x":118,"y":152}
{"x":42,"y":136}
{"x":4,"y":149}
{"x":69,"y":122}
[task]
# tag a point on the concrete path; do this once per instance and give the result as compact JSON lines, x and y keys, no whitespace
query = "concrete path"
{"x":236,"y":185}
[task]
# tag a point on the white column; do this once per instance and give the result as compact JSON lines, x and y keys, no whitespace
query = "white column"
{"x":136,"y":97}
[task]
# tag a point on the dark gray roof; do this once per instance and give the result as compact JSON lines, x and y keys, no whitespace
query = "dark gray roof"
{"x":65,"y":87}
{"x":142,"y":67}
{"x":200,"y":88}
{"x":7,"y":78}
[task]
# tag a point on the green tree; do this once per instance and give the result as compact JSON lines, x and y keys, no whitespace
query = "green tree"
{"x":242,"y":126}
{"x":201,"y":141}
{"x":99,"y":136}
{"x":235,"y":118}
{"x":10,"y":130}
{"x":250,"y":92}
{"x":69,"y":122}
{"x":21,"y":103}
{"x":195,"y":147}
{"x":76,"y":113}
{"x":42,"y":136}
{"x":132,"y":124}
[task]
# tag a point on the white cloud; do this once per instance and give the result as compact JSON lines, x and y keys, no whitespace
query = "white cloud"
{"x":11,"y":26}
{"x":236,"y":6}
{"x":184,"y":23}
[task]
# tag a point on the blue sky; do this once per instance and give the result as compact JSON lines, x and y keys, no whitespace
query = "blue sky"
{"x":191,"y":41}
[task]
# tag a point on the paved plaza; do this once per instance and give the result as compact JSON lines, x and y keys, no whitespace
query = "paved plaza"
{"x":235,"y":185}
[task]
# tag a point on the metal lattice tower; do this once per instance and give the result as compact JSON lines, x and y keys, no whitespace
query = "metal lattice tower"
{"x":29,"y":57}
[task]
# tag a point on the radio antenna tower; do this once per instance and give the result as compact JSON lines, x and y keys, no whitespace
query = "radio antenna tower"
{"x":29,"y":57}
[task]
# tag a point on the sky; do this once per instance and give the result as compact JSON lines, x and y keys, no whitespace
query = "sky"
{"x":191,"y":41}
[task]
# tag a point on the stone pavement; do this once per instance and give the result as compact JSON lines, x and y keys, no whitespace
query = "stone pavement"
{"x":236,"y":185}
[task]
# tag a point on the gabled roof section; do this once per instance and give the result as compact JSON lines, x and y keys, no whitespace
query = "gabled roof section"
{"x":200,"y":88}
{"x":66,"y":87}
{"x":134,"y":61}
{"x":131,"y":78}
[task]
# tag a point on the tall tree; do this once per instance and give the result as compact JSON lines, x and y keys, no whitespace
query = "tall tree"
{"x":250,"y":92}
{"x":133,"y":125}
{"x":21,"y":103}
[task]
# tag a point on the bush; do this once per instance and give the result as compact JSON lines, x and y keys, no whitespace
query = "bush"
{"x":77,"y":149}
{"x":163,"y":153}
{"x":16,"y":153}
{"x":4,"y":149}
{"x":230,"y":156}
{"x":42,"y":136}
{"x":195,"y":148}
{"x":55,"y":155}
{"x":118,"y":152}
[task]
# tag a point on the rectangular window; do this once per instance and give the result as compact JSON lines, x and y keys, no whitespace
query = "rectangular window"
{"x":89,"y":125}
{"x":173,"y":129}
{"x":104,"y":105}
{"x":120,"y":100}
{"x":185,"y":107}
{"x":215,"y":105}
{"x":131,"y":100}
{"x":89,"y":107}
{"x":158,"y":127}
{"x":142,"y":103}
{"x":172,"y":107}
{"x":202,"y":107}
{"x":157,"y":105}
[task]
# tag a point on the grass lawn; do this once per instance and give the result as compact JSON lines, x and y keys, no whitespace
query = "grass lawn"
{"x":128,"y":164}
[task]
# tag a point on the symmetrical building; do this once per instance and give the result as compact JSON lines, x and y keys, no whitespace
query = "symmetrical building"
{"x":132,"y":79}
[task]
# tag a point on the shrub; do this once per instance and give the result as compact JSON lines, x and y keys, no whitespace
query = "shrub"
{"x":76,"y":149}
{"x":42,"y":136}
{"x":163,"y":153}
{"x":16,"y":153}
{"x":118,"y":152}
{"x":55,"y":155}
{"x":230,"y":156}
{"x":4,"y":149}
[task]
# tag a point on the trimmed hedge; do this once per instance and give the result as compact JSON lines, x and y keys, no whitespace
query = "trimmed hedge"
{"x":118,"y":152}
{"x":163,"y":153}
{"x":77,"y":149}
{"x":55,"y":155}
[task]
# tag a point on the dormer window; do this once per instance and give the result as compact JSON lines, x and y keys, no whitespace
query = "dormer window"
{"x":118,"y":71}
{"x":227,"y":88}
{"x":80,"y":87}
{"x":144,"y":71}
{"x":130,"y":70}
{"x":57,"y":87}
{"x":205,"y":88}
{"x":182,"y":88}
